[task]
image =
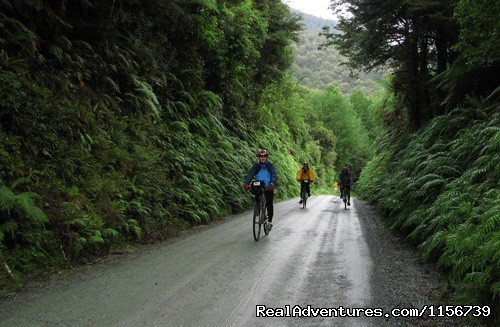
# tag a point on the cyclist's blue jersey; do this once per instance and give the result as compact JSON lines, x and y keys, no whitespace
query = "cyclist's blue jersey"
{"x":268,"y":176}
{"x":264,"y":175}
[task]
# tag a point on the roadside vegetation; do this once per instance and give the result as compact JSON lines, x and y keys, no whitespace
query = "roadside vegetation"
{"x":435,"y":174}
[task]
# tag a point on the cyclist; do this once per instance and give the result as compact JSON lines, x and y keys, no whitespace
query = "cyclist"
{"x":264,"y":171}
{"x":345,"y":180}
{"x":305,"y":173}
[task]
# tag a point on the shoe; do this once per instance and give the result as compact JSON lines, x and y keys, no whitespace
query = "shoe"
{"x":340,"y":196}
{"x":269,"y":226}
{"x":348,"y":203}
{"x":300,"y":202}
{"x":309,"y":195}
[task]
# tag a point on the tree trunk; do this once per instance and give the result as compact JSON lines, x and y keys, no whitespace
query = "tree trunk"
{"x":423,"y":79}
{"x":441,"y":53}
{"x":413,"y":85}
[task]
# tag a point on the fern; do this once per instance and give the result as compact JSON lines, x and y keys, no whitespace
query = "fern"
{"x":7,"y":199}
{"x":453,"y":167}
{"x":20,"y":181}
{"x":147,"y":97}
{"x":433,"y":185}
{"x":26,"y":207}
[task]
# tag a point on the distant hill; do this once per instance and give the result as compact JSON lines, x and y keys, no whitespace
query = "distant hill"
{"x":317,"y":68}
{"x":313,"y":23}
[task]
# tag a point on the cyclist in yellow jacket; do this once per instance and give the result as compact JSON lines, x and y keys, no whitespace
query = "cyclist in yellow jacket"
{"x":305,"y":174}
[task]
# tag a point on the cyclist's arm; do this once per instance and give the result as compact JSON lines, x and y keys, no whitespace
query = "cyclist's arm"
{"x":251,"y":173}
{"x":299,"y":176}
{"x":272,"y":172}
{"x":311,"y":175}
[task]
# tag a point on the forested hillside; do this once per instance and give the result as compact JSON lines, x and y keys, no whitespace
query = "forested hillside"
{"x":315,"y":66}
{"x":126,"y":121}
{"x":313,"y":23}
{"x":435,"y":175}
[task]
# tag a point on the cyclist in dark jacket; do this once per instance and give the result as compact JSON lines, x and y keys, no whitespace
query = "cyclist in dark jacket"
{"x":345,"y":181}
{"x":264,"y":171}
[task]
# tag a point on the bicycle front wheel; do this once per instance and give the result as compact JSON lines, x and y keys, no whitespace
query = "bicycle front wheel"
{"x":256,"y":222}
{"x":263,"y":217}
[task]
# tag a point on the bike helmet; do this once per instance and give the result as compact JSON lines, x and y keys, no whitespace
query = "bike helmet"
{"x":306,"y":165}
{"x":262,"y":153}
{"x":345,"y":169}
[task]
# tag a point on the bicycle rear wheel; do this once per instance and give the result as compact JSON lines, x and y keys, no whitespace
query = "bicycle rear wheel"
{"x":304,"y":200}
{"x":256,"y":222}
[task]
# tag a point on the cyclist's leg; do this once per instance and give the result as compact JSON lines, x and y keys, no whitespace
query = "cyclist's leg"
{"x":269,"y":203}
{"x":341,"y":191}
{"x":348,"y":190}
{"x":308,"y":186}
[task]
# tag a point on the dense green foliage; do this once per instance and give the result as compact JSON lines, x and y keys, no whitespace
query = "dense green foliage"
{"x":476,"y":71}
{"x":438,"y":185}
{"x":442,"y":191}
{"x":338,"y":114}
{"x":126,"y":121}
{"x":414,"y":37}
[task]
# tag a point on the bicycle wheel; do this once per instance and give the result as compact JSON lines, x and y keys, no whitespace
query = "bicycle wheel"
{"x":256,"y":222}
{"x":304,"y":200}
{"x":263,"y":218}
{"x":345,"y":201}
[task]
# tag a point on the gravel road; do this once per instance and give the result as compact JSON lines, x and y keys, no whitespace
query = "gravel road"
{"x":322,"y":256}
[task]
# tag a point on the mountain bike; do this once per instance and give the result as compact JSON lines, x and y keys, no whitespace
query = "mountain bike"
{"x":260,"y":220}
{"x":303,"y":195}
{"x":345,"y":191}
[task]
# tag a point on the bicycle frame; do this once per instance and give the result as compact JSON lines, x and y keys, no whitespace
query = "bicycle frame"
{"x":260,"y":214}
{"x":303,"y":193}
{"x":345,"y":192}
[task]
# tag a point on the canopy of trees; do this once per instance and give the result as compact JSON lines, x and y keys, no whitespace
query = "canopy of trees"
{"x":427,"y":43}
